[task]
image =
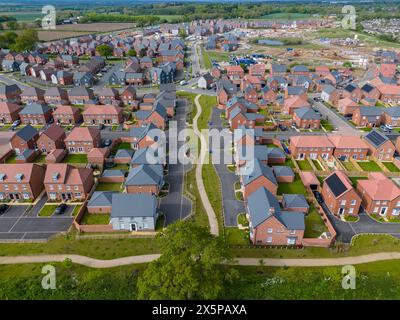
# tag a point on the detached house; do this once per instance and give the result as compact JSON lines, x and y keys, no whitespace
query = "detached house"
{"x":32,"y":95}
{"x":157,"y":116}
{"x":306,"y":118}
{"x":380,"y":146}
{"x":330,"y":94}
{"x":9,"y":112}
{"x":50,"y":139}
{"x":81,"y":95}
{"x":339,"y":195}
{"x":145,"y":179}
{"x":83,"y":139}
{"x":390,"y":93}
{"x":24,"y":139}
{"x":367,"y":116}
{"x":10,"y":93}
{"x":66,"y":183}
{"x":56,"y":96}
{"x":269,"y":225}
{"x":380,"y":195}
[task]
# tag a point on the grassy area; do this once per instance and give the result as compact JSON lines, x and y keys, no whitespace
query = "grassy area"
{"x":218,"y":56}
{"x":314,"y":224}
{"x":369,"y":166}
{"x":11,"y":159}
{"x":235,"y":236}
{"x":95,"y":219}
{"x":304,"y":165}
{"x":76,"y":210}
{"x":190,"y":97}
{"x":348,"y":166}
{"x":160,"y":223}
{"x":375,"y":281}
{"x":355,"y":179}
{"x":213,"y":188}
{"x":47,"y":210}
{"x":109,"y":186}
{"x":121,"y":167}
{"x":391,"y":166}
{"x":294,"y":187}
{"x":40,"y":159}
{"x":317,"y":165}
{"x":206,"y":59}
{"x":242,"y":219}
{"x":350,"y":218}
{"x":122,"y":145}
{"x":327,"y":125}
{"x":75,"y":158}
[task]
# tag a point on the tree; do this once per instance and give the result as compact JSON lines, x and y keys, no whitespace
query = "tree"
{"x":347,"y":64}
{"x":13,"y":25}
{"x":104,"y":50}
{"x":182,"y":33}
{"x":132,"y":52}
{"x":192,"y":265}
{"x":26,"y":40}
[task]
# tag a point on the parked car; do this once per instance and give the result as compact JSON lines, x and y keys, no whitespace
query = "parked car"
{"x":389,"y":126}
{"x":107,"y":142}
{"x":3,"y":208}
{"x":318,"y":196}
{"x":282,"y":127}
{"x":60,"y":209}
{"x":16,"y":123}
{"x":385,"y":129}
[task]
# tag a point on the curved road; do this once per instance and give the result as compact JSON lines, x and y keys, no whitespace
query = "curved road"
{"x":212,"y":217}
{"x":95,"y":263}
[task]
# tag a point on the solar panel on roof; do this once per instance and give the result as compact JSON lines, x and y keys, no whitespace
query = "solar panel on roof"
{"x":375,"y":138}
{"x":336,"y":185}
{"x":367,"y":88}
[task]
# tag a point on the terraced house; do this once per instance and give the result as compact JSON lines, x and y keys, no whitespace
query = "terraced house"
{"x":99,"y":114}
{"x":312,"y":147}
{"x":83,"y":139}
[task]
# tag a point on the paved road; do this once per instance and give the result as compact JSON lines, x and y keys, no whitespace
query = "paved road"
{"x":273,"y":262}
{"x":231,"y":206}
{"x":212,"y":217}
{"x":103,"y":81}
{"x":347,"y":230}
{"x":176,"y":206}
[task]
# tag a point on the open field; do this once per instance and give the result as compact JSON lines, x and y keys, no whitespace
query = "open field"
{"x":95,"y":27}
{"x":56,"y":35}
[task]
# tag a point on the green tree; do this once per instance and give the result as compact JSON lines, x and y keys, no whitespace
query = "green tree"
{"x":182,"y":33}
{"x":13,"y":25}
{"x":26,"y":40}
{"x":104,"y":50}
{"x":192,"y":265}
{"x":132,"y":52}
{"x":347,"y":64}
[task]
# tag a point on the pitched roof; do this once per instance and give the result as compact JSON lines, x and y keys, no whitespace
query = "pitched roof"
{"x":311,"y":141}
{"x":344,"y":142}
{"x":27,"y":133}
{"x":376,"y":138}
{"x":294,"y":201}
{"x":307,"y":114}
{"x":283,"y":171}
{"x":101,"y":199}
{"x":35,"y":108}
{"x":379,"y":187}
{"x":258,"y":170}
{"x":133,"y":205}
{"x":145,"y":175}
{"x":54,"y":132}
{"x":83,"y":134}
{"x":338,"y":183}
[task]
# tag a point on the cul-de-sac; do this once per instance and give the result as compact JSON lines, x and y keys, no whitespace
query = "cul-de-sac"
{"x":99,"y":113}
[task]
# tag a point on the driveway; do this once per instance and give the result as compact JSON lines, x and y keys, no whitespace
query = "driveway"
{"x":231,"y":206}
{"x":347,"y":230}
{"x":175,"y":205}
{"x":17,"y":223}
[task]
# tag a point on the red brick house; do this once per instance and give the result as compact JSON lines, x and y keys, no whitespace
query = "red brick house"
{"x":347,"y":147}
{"x":269,"y":225}
{"x":83,"y":139}
{"x":56,"y":96}
{"x":67,"y":115}
{"x":293,"y":103}
{"x":347,"y":106}
{"x":306,"y":118}
{"x":36,"y":114}
{"x":390,"y":93}
{"x":21,"y":181}
{"x":128,"y":96}
{"x":235,"y":74}
{"x":9,"y":112}
{"x":63,"y":182}
{"x":380,"y":195}
{"x":157,"y":116}
{"x":380,"y":146}
{"x":257,"y":70}
{"x":339,"y":195}
{"x":99,"y":114}
{"x":24,"y":138}
{"x":311,"y":146}
{"x":32,"y":95}
{"x":50,"y":139}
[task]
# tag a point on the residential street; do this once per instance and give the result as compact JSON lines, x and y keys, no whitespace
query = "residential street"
{"x":231,"y":206}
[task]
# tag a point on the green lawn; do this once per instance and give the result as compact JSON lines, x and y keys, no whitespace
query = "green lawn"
{"x":242,"y":219}
{"x":95,"y":219}
{"x":75,"y":158}
{"x":76,"y":210}
{"x":40,"y":159}
{"x":391,"y":166}
{"x":160,"y":223}
{"x":327,"y":125}
{"x":369,"y":166}
{"x":355,"y":179}
{"x":235,"y":236}
{"x":304,"y":165}
{"x":47,"y":210}
{"x":218,"y":56}
{"x":348,"y":166}
{"x":122,"y":145}
{"x":294,"y":187}
{"x":317,"y":165}
{"x":109,"y":186}
{"x":11,"y":159}
{"x":314,"y":224}
{"x":206,"y":59}
{"x":121,"y":167}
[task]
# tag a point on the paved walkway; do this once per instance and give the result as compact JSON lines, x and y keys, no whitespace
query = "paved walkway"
{"x":212,"y":217}
{"x":95,"y":263}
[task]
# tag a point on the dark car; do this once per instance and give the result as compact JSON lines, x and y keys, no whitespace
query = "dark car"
{"x":282,"y":127}
{"x":3,"y":208}
{"x":318,"y":196}
{"x":107,"y":142}
{"x":60,"y":209}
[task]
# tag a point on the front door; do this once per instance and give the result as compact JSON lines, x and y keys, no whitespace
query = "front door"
{"x":341,"y":211}
{"x":383,"y":211}
{"x":133,"y":227}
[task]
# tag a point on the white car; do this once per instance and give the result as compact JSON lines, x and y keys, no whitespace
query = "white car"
{"x":389,"y":126}
{"x":16,"y":123}
{"x":183,"y":83}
